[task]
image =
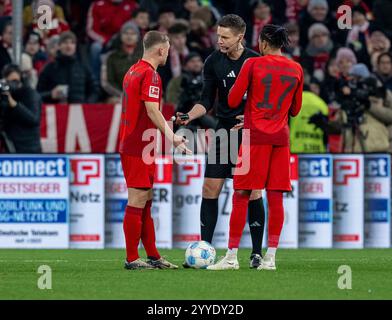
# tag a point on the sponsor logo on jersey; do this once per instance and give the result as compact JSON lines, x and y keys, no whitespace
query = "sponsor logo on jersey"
{"x":231,"y":74}
{"x":153,"y":92}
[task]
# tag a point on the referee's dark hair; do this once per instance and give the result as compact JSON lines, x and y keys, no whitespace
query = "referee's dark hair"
{"x":233,"y":22}
{"x":276,"y":36}
{"x":153,"y":38}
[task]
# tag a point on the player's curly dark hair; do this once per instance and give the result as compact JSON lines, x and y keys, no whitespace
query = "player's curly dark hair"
{"x":276,"y":36}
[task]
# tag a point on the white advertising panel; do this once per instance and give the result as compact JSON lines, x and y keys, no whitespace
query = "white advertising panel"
{"x":187,"y":187}
{"x":377,"y":201}
{"x":116,"y":194}
{"x":34,"y":209}
{"x":87,"y":201}
{"x":315,"y":201}
{"x":348,"y":219}
{"x":162,"y":204}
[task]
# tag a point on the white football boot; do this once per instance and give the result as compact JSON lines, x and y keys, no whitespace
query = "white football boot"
{"x":268,"y":263}
{"x":228,"y":262}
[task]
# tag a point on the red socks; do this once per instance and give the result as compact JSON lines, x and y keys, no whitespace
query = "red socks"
{"x":138,"y":224}
{"x":132,"y":226}
{"x":148,"y":232}
{"x":238,"y":218}
{"x":275,"y":217}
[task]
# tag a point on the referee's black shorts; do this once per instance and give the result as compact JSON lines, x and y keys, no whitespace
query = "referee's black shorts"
{"x":219,"y":163}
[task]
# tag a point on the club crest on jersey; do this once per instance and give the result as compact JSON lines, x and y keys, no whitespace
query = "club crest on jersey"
{"x":153,"y":92}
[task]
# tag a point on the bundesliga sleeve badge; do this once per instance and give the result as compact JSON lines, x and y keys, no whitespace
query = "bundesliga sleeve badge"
{"x":153,"y":92}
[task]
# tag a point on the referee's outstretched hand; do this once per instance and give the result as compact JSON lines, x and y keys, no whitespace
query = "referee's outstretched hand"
{"x":240,"y":122}
{"x":180,"y":145}
{"x":181,"y":122}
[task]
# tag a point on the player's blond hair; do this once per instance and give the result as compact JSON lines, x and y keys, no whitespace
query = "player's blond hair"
{"x":153,"y":38}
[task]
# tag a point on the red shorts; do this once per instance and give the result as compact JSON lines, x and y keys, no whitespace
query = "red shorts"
{"x":137,"y":173}
{"x":269,"y":168}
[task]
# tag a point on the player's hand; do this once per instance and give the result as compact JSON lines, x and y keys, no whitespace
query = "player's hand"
{"x":180,"y":144}
{"x":240,"y":124}
{"x":181,"y":122}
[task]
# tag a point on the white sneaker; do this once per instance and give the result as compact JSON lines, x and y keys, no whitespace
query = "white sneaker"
{"x":268,"y":263}
{"x":227,"y":263}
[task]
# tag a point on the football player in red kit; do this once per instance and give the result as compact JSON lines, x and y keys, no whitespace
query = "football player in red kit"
{"x":142,"y":91}
{"x":273,"y":85}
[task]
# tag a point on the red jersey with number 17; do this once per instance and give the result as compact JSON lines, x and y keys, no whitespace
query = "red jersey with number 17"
{"x":141,"y":83}
{"x":272,"y":85}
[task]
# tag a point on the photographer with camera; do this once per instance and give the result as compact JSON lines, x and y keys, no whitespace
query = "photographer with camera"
{"x":365,"y":115}
{"x":20,"y":113}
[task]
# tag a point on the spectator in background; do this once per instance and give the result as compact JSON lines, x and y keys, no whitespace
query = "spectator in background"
{"x":261,"y":16}
{"x":384,"y":69}
{"x":328,"y":86}
{"x":22,"y":112}
{"x":374,"y":126}
{"x":154,"y":7}
{"x":34,"y":50}
{"x":318,"y":51}
{"x":26,"y":65}
{"x":202,"y":36}
{"x":378,"y":43}
{"x":141,"y":18}
{"x":305,"y":137}
{"x":30,"y":75}
{"x":178,"y":52}
{"x":191,"y":86}
{"x":338,"y":73}
{"x":315,"y":86}
{"x":57,"y":25}
{"x":166,"y":19}
{"x":105,"y":18}
{"x":358,"y":36}
{"x":294,"y":9}
{"x":193,"y":64}
{"x":345,"y":60}
{"x":293,"y":51}
{"x":128,"y":50}
{"x":5,"y":43}
{"x":359,"y":3}
{"x":67,"y":80}
{"x":52,"y":47}
{"x":318,"y":12}
{"x":190,"y":6}
{"x":5,"y":8}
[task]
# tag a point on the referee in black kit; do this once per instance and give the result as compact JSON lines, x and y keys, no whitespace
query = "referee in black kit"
{"x":219,"y":74}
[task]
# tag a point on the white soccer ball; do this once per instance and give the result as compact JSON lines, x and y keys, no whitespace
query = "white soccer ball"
{"x":200,"y":255}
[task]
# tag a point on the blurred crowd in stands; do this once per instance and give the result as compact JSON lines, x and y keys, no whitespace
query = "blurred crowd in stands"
{"x":89,"y":45}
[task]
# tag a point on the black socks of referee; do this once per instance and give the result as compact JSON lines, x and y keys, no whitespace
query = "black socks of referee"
{"x":208,"y":218}
{"x":256,"y":219}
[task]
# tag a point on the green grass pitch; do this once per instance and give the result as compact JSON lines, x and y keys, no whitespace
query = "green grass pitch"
{"x":99,"y":274}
